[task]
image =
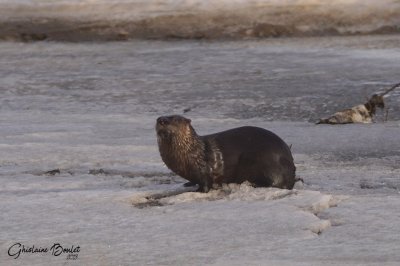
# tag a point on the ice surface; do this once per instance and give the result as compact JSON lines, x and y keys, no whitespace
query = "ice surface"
{"x":88,"y":110}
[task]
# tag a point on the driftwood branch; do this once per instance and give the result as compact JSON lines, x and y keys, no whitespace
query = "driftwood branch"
{"x":390,"y":89}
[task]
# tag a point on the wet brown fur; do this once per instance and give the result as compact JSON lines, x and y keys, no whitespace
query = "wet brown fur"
{"x":181,"y":148}
{"x":232,"y":156}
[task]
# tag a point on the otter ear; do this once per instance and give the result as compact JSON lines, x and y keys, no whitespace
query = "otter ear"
{"x":188,"y":120}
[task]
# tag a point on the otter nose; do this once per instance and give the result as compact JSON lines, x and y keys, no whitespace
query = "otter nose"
{"x":162,"y":120}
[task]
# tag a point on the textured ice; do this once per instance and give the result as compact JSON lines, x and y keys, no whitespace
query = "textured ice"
{"x":79,"y":163}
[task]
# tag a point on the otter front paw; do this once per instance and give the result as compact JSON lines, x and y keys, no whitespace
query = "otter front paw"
{"x":203,"y":189}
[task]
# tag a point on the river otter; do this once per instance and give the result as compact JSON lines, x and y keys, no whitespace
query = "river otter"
{"x":241,"y":154}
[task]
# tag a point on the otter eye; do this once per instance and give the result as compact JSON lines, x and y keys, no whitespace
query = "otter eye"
{"x":162,"y":121}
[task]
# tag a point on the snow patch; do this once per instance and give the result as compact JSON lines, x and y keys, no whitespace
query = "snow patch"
{"x":227,"y":192}
{"x":313,"y":202}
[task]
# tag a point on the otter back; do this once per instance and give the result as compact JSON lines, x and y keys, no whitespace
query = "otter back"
{"x":250,"y":154}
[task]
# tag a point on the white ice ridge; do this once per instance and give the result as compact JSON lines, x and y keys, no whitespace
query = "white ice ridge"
{"x":311,"y":202}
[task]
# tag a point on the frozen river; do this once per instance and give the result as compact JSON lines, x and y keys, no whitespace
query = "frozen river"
{"x":89,"y":109}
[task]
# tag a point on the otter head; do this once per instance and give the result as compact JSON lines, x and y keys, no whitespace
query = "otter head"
{"x":168,"y":127}
{"x":178,"y":143}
